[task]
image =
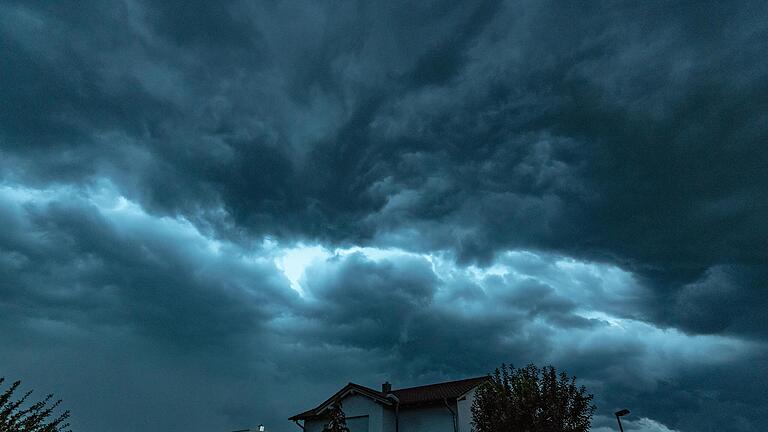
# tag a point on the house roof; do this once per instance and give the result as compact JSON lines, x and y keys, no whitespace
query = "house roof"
{"x":347,"y":389}
{"x":407,"y":396}
{"x":436,"y":392}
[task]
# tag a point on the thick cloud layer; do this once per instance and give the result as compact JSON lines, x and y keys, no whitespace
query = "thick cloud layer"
{"x":215,"y":214}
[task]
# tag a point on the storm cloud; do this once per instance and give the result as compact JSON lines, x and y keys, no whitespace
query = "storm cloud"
{"x":215,"y":214}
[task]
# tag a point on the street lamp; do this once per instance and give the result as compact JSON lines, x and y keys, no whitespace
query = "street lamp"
{"x":619,"y":415}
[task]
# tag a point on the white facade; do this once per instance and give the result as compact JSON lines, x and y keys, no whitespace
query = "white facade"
{"x":363,"y":415}
{"x":434,"y":418}
{"x":464,"y":411}
{"x":373,"y":413}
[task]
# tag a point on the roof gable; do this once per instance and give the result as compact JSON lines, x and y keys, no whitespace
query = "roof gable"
{"x":350,"y":388}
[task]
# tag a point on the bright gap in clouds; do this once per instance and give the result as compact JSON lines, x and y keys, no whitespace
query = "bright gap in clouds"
{"x":523,"y":280}
{"x":569,"y":277}
{"x":293,"y":261}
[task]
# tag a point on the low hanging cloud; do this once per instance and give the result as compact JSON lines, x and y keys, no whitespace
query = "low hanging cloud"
{"x":642,"y":425}
{"x":199,"y":314}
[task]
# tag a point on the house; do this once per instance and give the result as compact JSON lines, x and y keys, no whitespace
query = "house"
{"x":442,"y":407}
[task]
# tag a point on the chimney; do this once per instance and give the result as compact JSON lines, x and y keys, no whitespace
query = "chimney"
{"x":386,"y":388}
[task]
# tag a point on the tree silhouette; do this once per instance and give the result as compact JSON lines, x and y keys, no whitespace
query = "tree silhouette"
{"x":35,"y":417}
{"x":531,"y":400}
{"x":338,"y":421}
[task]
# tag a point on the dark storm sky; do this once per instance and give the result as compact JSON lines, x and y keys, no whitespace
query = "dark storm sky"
{"x":215,"y":214}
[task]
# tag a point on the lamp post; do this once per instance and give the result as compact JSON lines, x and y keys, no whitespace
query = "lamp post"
{"x":619,"y":415}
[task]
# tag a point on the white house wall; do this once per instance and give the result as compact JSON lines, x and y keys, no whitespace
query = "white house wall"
{"x":464,"y":412}
{"x":314,"y":425}
{"x":355,"y":406}
{"x":432,"y":418}
{"x":435,"y":418}
{"x":388,"y":424}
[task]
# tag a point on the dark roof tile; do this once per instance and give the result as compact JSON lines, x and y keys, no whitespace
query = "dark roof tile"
{"x":436,"y":392}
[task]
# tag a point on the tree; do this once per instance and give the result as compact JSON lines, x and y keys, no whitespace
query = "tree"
{"x":531,"y":400}
{"x":36,"y":417}
{"x":338,"y":422}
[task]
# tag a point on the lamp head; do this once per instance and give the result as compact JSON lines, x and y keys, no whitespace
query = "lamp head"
{"x":622,"y":413}
{"x":260,"y":428}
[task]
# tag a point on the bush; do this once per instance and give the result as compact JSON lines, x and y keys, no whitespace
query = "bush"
{"x":35,"y":417}
{"x":532,"y":400}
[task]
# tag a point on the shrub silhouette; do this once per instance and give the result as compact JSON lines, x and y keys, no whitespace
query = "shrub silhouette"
{"x":20,"y":415}
{"x":532,"y":400}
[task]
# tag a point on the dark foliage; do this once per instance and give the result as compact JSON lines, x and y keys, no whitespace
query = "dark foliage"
{"x":19,"y":415}
{"x":531,"y":400}
{"x":338,"y":421}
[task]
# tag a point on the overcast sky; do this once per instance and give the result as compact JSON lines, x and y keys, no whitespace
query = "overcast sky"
{"x":216,"y":214}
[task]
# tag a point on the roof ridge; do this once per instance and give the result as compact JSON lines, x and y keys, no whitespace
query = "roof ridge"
{"x":442,"y":383}
{"x":365,"y":387}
